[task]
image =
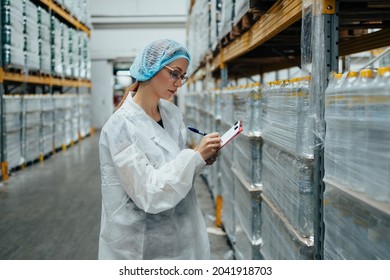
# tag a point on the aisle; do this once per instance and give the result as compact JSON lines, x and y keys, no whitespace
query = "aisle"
{"x":51,"y":210}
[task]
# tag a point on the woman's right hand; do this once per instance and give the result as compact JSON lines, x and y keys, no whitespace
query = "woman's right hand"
{"x":209,"y":147}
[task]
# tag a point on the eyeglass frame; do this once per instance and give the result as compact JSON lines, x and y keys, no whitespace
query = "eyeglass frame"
{"x":176,"y":77}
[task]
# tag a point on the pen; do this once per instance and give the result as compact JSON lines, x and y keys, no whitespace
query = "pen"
{"x":197,"y":131}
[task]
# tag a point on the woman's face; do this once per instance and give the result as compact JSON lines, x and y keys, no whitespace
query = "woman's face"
{"x":165,"y":83}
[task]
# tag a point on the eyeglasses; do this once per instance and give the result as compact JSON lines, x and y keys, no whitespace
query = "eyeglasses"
{"x":176,"y":75}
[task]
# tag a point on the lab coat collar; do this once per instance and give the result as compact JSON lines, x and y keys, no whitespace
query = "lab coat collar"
{"x":167,"y":137}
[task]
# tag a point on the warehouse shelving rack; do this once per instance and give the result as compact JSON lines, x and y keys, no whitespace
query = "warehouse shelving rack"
{"x":273,"y":43}
{"x":44,"y":82}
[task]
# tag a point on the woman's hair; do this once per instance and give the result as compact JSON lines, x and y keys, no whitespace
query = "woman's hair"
{"x":132,"y":88}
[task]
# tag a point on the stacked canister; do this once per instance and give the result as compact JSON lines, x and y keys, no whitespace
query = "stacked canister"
{"x":357,"y":165}
{"x":12,"y":130}
{"x":12,"y":33}
{"x":288,"y":201}
{"x":247,"y":172}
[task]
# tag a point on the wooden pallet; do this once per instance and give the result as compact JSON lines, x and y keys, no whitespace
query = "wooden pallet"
{"x":39,"y":73}
{"x":16,"y":69}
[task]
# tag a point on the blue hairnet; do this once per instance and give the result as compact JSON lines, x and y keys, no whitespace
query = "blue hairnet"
{"x":155,"y":56}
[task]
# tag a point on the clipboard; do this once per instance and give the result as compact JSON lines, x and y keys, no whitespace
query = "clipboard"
{"x":236,"y":129}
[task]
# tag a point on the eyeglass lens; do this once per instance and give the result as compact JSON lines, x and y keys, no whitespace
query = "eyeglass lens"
{"x":176,"y":75}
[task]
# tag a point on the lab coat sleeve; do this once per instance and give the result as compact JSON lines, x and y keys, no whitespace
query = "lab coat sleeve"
{"x":156,"y":189}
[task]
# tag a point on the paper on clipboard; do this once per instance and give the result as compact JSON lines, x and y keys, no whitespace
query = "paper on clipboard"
{"x":231,"y":133}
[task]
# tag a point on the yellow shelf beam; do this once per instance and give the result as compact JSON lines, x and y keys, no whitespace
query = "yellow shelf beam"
{"x":42,"y":80}
{"x":280,"y":16}
{"x":52,"y":5}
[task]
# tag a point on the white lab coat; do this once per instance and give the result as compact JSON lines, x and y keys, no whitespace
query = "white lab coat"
{"x":149,"y":207}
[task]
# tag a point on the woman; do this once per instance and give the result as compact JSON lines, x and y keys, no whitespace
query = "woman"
{"x":149,"y":207}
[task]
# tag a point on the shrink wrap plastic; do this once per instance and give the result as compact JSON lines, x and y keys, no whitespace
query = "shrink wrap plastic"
{"x":356,"y":229}
{"x":288,"y":184}
{"x":247,"y":206}
{"x":286,"y":121}
{"x":12,"y":111}
{"x":357,"y":150}
{"x":12,"y":33}
{"x":280,"y":241}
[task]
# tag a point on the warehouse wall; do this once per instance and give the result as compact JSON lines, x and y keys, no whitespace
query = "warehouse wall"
{"x":120,"y":28}
{"x":102,"y":81}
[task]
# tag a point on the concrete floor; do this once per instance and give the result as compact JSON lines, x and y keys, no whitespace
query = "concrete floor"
{"x":51,"y":210}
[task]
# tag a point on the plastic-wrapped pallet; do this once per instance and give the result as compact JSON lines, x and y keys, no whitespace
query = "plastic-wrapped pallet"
{"x":356,"y":227}
{"x":47,"y":124}
{"x":247,"y":156}
{"x":78,"y":46}
{"x":68,"y":124}
{"x":242,"y":105}
{"x":286,"y":121}
{"x":12,"y":34}
{"x":65,"y":50}
{"x":255,"y":124}
{"x":205,"y":113}
{"x":85,"y":114}
{"x":62,"y":120}
{"x":357,"y":152}
{"x":73,"y":53}
{"x":59,"y":119}
{"x":78,"y":9}
{"x":280,"y":239}
{"x":211,"y":110}
{"x":227,"y":16}
{"x":247,"y":208}
{"x":247,"y":146}
{"x":225,"y":160}
{"x":44,"y":41}
{"x":190,"y":116}
{"x":288,"y":184}
{"x":226,"y":106}
{"x":82,"y":12}
{"x":30,"y":144}
{"x":338,"y":129}
{"x":216,"y":167}
{"x":31,"y":105}
{"x":85,"y":66}
{"x":227,"y":192}
{"x":241,"y":7}
{"x":12,"y":110}
{"x":215,"y":179}
{"x":88,"y":59}
{"x":198,"y":35}
{"x":217,"y":104}
{"x":31,"y":42}
{"x":206,"y":123}
{"x":75,"y":115}
{"x":57,"y":67}
{"x":215,"y":22}
{"x":31,"y":120}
